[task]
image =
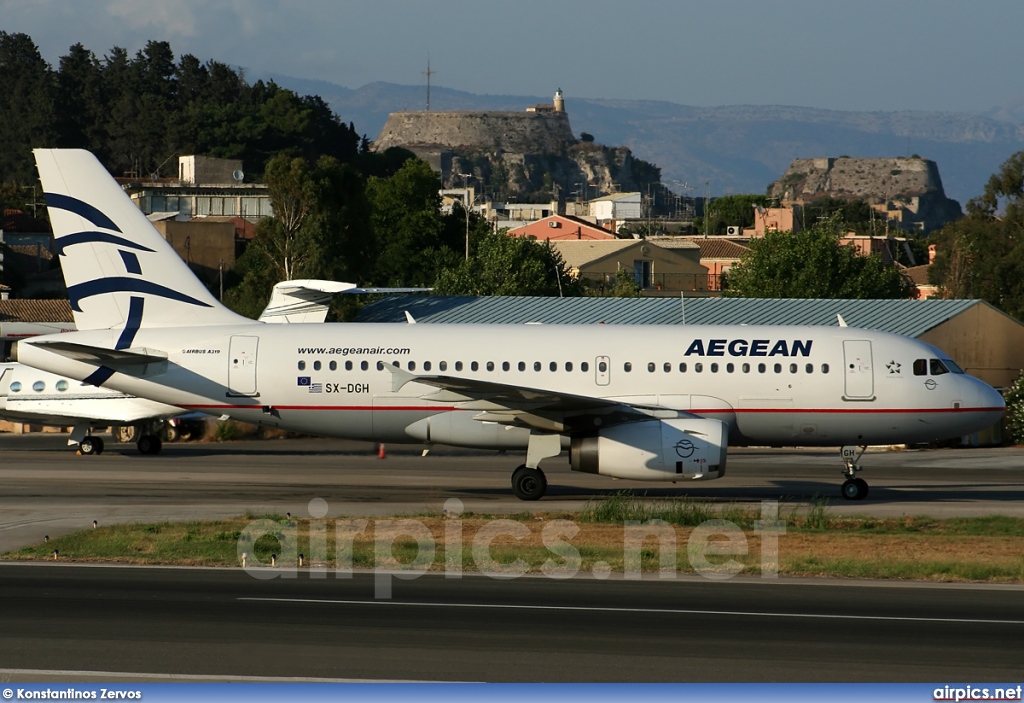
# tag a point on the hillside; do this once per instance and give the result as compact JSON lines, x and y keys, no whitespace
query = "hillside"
{"x":739,"y":148}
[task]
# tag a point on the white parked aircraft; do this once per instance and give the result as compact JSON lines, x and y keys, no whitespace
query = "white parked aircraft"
{"x":651,"y":403}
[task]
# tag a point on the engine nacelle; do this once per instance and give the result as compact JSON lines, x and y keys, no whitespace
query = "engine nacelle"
{"x":460,"y":429}
{"x":655,"y":450}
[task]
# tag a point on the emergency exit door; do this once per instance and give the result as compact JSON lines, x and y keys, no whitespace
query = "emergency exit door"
{"x":242,"y":365}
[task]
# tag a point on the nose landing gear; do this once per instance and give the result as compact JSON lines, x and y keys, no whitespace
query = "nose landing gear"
{"x":853,"y":488}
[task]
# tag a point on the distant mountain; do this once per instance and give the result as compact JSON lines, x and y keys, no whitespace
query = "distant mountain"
{"x":737,"y":148}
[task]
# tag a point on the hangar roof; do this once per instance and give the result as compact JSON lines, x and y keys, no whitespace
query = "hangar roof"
{"x":907,"y":317}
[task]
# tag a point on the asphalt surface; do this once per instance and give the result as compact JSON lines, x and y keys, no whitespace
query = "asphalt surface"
{"x":46,"y":490}
{"x":226,"y":623}
{"x":60,"y":622}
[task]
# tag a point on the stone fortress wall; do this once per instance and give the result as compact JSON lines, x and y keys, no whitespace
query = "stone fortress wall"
{"x":520,"y":132}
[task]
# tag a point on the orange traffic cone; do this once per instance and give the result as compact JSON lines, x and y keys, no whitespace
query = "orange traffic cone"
{"x":381,"y":454}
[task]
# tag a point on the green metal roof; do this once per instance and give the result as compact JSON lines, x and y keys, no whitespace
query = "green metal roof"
{"x":907,"y":317}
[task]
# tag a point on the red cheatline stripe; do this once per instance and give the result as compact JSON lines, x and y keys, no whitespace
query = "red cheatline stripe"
{"x":708,"y":411}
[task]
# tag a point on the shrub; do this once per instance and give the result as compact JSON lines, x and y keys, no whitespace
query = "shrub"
{"x":1014,"y":396}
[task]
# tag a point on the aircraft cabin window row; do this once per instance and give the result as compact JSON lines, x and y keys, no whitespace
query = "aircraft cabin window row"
{"x":40,"y":386}
{"x":920,"y":366}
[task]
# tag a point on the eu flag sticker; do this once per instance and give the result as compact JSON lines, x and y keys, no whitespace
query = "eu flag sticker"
{"x":304,"y":380}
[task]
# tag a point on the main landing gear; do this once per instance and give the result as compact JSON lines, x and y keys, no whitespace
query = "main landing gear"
{"x":91,"y":446}
{"x":853,"y":488}
{"x":528,"y":484}
{"x":528,"y":481}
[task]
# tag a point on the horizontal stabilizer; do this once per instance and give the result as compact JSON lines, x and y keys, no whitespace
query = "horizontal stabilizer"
{"x":114,"y":358}
{"x":308,"y":300}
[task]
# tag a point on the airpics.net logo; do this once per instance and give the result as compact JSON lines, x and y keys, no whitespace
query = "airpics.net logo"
{"x":407,"y":548}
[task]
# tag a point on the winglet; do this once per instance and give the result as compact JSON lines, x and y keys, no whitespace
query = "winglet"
{"x":842,"y":322}
{"x":409,"y":318}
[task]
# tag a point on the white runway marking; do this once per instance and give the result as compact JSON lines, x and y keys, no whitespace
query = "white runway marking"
{"x":655,"y":611}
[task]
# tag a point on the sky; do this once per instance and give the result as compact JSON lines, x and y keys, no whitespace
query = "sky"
{"x":947,"y":55}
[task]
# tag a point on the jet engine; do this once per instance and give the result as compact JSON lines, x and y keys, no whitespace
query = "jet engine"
{"x":655,"y":450}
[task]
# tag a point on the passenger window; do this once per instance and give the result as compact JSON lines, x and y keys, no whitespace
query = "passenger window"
{"x":602,"y":367}
{"x":62,"y":385}
{"x":380,"y":365}
{"x":650,"y":366}
{"x":698,"y":367}
{"x":536,"y":366}
{"x":584,"y":366}
{"x":348,"y":365}
{"x":746,"y":368}
{"x":490,"y":366}
{"x":412,"y":365}
{"x":824,"y":368}
{"x":761,"y":368}
{"x":778,"y":368}
{"x":302,"y":366}
{"x":39,"y":386}
{"x":442,"y":365}
{"x":553,"y":366}
{"x":682,"y":367}
{"x":365,"y":365}
{"x":920,"y":367}
{"x":627,"y":367}
{"x":16,"y":386}
{"x":938,"y":368}
{"x":474,"y":366}
{"x":730,"y":367}
{"x":316,"y":365}
{"x":458,"y":366}
{"x":668,"y":367}
{"x":426,"y":366}
{"x":792,"y":368}
{"x":505,"y":366}
{"x":714,"y":367}
{"x":809,"y":368}
{"x":568,"y":366}
{"x":333,"y":365}
{"x":522,"y":366}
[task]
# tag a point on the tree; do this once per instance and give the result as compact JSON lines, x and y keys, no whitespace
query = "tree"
{"x":414,"y":240}
{"x":982,"y":255}
{"x":320,"y":229}
{"x":813,"y":264}
{"x":1014,"y":396}
{"x":27,"y":112}
{"x":507,"y":265}
{"x":730,"y":210}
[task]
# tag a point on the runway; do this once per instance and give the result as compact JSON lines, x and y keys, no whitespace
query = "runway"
{"x":46,"y":490}
{"x":225,"y":623}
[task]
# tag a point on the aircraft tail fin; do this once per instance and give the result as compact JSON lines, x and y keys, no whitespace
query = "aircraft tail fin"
{"x":120,"y":272}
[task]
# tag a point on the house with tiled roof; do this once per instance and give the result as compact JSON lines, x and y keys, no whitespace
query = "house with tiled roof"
{"x":718,"y":254}
{"x":561,"y":227}
{"x":658,"y":271}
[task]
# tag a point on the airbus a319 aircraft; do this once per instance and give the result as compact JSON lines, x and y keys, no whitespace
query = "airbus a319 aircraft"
{"x":655,"y":403}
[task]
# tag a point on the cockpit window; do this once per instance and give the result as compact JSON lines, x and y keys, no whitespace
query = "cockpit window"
{"x":937,"y":367}
{"x":952,"y":366}
{"x":920,"y":367}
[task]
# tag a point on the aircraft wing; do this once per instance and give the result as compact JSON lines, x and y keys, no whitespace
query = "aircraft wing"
{"x":544,"y":410}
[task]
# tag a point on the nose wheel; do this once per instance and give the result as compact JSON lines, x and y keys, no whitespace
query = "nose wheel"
{"x":853,"y":488}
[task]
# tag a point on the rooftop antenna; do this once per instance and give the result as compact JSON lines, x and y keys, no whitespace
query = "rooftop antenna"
{"x":428,"y":73}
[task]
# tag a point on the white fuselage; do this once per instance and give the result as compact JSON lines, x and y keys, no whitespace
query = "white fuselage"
{"x":770,"y":385}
